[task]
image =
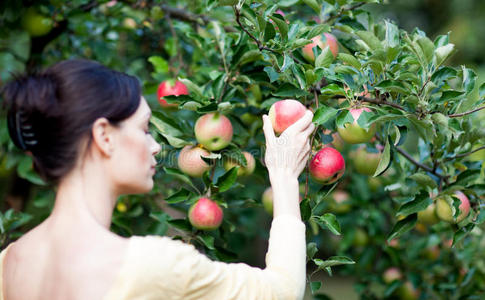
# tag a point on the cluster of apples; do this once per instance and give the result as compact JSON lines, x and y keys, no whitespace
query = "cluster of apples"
{"x":213,"y":132}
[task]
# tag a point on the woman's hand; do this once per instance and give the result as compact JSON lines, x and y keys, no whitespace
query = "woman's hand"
{"x":287,"y":154}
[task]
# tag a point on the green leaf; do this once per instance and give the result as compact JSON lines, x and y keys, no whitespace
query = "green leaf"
{"x":450,"y":95}
{"x":370,"y":39}
{"x":461,"y":233}
{"x":160,"y":64}
{"x":419,"y":203}
{"x":427,"y":47}
{"x":442,"y":74}
{"x":250,"y":56}
{"x":343,"y":118}
{"x":282,"y":26}
{"x":317,"y":30}
{"x":207,"y":240}
{"x":403,"y":226}
{"x":391,"y":86}
{"x":392,"y":35}
{"x":181,"y":224}
{"x":481,"y":90}
{"x":385,"y":159}
{"x":269,"y":32}
{"x":442,"y":53}
{"x":350,"y":60}
{"x":179,"y":196}
{"x":311,"y":250}
{"x":333,"y":261}
{"x":325,"y":59}
{"x":324,"y":114}
{"x":329,"y":221}
{"x":315,"y":286}
{"x":333,"y":89}
{"x":169,"y":129}
{"x":272,"y":74}
{"x":314,"y":5}
{"x":469,"y":79}
{"x":423,"y":180}
{"x":192,"y":87}
{"x":227,"y":180}
{"x":289,"y":90}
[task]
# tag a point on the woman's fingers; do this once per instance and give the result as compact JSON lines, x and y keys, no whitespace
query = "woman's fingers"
{"x":302,"y":123}
{"x":268,"y":130}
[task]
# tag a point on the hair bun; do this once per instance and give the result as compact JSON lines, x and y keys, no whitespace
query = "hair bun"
{"x":29,"y":98}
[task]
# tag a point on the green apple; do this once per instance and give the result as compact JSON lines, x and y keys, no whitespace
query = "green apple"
{"x":242,"y":171}
{"x":352,"y":133}
{"x":365,"y":162}
{"x":445,"y":211}
{"x":428,"y":215}
{"x":35,"y":23}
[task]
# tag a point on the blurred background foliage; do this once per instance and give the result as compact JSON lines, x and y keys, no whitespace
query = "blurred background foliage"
{"x":124,"y":35}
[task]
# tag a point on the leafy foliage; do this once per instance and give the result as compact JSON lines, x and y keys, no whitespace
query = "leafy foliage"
{"x":239,"y":57}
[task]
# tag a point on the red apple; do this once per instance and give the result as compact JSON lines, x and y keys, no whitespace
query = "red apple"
{"x":391,"y":274}
{"x":352,"y":133}
{"x":322,"y":42}
{"x":213,"y":131}
{"x":243,"y":171}
{"x":327,"y":166}
{"x":190,"y":161}
{"x":284,"y":113}
{"x":365,"y":162}
{"x":170,"y":88}
{"x":444,"y":210}
{"x":205,"y":214}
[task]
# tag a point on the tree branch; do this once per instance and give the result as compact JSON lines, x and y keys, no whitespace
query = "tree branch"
{"x":466,"y":113}
{"x":261,"y":47}
{"x":465,"y":154}
{"x":380,"y":102}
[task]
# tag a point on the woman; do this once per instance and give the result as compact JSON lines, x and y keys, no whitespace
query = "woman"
{"x":86,"y":127}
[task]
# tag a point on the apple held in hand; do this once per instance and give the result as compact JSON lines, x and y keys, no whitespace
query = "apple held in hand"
{"x":213,"y":131}
{"x":327,"y":166}
{"x":170,"y":88}
{"x":242,"y":171}
{"x":284,"y":113}
{"x":190,"y":161}
{"x":322,"y":42}
{"x":444,"y":210}
{"x":352,"y":133}
{"x":205,"y":214}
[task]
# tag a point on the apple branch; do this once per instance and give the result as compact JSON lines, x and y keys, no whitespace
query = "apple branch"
{"x":261,"y":47}
{"x":380,"y":102}
{"x":465,"y":154}
{"x":466,"y":113}
{"x":416,"y":163}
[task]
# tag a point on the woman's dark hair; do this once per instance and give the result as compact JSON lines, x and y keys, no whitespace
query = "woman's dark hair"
{"x":50,"y":112}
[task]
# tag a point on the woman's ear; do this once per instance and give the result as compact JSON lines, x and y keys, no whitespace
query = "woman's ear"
{"x":103,"y":138}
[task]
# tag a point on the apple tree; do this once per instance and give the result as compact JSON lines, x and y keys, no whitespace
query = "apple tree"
{"x":406,"y":218}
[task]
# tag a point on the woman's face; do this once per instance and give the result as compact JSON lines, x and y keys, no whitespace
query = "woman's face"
{"x":133,"y":161}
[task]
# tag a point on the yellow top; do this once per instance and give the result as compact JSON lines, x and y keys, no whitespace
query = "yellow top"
{"x":161,"y":268}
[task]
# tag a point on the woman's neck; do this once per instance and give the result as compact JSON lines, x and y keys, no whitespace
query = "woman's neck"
{"x":84,"y":198}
